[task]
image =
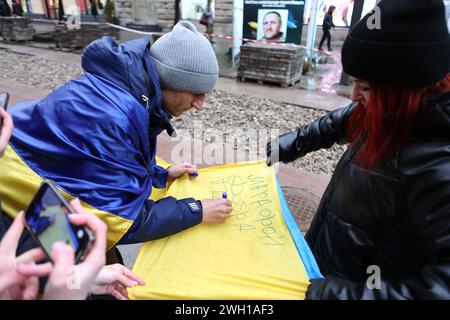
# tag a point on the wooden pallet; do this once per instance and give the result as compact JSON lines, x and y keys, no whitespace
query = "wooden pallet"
{"x":14,"y":41}
{"x":271,"y":64}
{"x":268,"y":82}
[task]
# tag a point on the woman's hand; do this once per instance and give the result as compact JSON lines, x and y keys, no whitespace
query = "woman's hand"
{"x":67,"y":281}
{"x":13,"y":284}
{"x":114,"y":279}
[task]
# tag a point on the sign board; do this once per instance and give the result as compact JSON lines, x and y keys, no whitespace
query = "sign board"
{"x":273,"y":21}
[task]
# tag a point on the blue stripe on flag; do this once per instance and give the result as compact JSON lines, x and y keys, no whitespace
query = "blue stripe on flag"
{"x":312,"y":269}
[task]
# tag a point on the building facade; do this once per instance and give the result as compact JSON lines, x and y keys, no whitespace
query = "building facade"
{"x":161,"y":12}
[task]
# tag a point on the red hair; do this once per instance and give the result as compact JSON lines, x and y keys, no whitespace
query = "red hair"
{"x":388,"y":121}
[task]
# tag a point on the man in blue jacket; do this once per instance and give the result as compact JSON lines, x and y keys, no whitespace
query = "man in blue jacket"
{"x":95,"y":136}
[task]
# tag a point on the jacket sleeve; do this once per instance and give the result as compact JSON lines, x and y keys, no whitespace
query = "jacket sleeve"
{"x":426,"y":184}
{"x":163,"y":218}
{"x":322,"y":133}
{"x":159,"y":177}
{"x":328,"y":21}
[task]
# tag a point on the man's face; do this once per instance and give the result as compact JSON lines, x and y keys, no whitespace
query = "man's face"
{"x":178,"y":102}
{"x":272,"y":25}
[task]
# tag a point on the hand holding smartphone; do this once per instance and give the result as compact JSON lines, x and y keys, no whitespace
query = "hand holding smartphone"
{"x":61,"y":235}
{"x":48,"y":222}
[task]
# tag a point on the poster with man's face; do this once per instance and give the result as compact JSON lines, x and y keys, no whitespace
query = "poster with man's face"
{"x":272,"y":25}
{"x":277,"y":21}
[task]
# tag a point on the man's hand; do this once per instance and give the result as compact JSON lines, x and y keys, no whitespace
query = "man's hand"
{"x":6,"y":129}
{"x":178,"y":170}
{"x":114,"y":279}
{"x":216,"y":211}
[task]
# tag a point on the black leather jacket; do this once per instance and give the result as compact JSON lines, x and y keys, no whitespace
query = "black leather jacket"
{"x":395,"y":217}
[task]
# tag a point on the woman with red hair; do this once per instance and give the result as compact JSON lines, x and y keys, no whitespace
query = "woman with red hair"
{"x":382,"y":229}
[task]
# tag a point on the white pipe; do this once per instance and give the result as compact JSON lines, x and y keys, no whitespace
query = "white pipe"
{"x":238,"y":20}
{"x":312,"y":28}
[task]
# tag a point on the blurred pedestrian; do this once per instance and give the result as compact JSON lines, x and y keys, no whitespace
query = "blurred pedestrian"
{"x":208,"y":17}
{"x":17,"y":8}
{"x":109,"y":11}
{"x":100,"y":7}
{"x":327,"y":24}
{"x":345,"y":14}
{"x":94,"y":11}
{"x":5,"y":10}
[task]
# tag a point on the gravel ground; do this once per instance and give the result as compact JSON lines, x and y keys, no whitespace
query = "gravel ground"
{"x":231,"y":115}
{"x":34,"y":71}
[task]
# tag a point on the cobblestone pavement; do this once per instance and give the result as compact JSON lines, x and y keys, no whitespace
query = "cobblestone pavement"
{"x":235,"y":116}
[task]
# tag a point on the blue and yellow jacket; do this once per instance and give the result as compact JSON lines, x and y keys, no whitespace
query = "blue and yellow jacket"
{"x":95,"y":137}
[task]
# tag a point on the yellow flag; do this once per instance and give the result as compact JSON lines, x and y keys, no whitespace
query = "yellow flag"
{"x":252,"y":255}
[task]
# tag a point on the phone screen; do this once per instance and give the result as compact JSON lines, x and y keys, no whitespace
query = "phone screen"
{"x":48,"y":220}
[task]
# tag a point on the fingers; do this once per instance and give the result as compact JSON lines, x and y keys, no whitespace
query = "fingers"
{"x":269,"y":149}
{"x":120,"y":293}
{"x":188,"y":168}
{"x":63,"y":257}
{"x":217,"y":210}
{"x":98,"y":228}
{"x":38,"y":270}
{"x":123,"y":291}
{"x":127,"y":282}
{"x":124,"y":275}
{"x":227,"y":205}
{"x":77,"y":206}
{"x":269,"y":154}
{"x":8,"y":245}
{"x":6,"y":130}
{"x":180,"y":169}
{"x":31,"y":288}
{"x":32,"y":255}
{"x":134,"y":277}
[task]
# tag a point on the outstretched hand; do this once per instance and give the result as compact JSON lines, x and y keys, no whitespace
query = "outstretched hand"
{"x":114,"y":279}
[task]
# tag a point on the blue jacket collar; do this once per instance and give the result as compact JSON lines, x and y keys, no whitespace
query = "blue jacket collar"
{"x":129,"y":66}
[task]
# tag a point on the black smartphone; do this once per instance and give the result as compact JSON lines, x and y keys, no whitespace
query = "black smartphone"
{"x":47,"y":220}
{"x":4,"y":99}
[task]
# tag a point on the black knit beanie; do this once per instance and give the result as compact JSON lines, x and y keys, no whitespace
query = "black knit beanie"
{"x":412,"y":47}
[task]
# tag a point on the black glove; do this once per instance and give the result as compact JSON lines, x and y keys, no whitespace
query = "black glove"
{"x":319,"y":134}
{"x":280,"y":149}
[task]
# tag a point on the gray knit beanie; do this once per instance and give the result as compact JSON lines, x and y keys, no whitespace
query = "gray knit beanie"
{"x":185,"y":60}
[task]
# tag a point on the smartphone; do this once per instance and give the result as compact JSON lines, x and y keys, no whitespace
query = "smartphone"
{"x":47,"y":220}
{"x":4,"y":99}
